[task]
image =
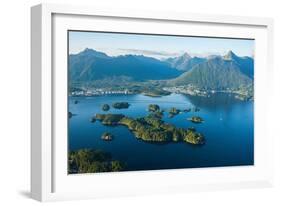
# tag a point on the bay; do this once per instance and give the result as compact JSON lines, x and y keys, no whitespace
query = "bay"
{"x":228,"y":128}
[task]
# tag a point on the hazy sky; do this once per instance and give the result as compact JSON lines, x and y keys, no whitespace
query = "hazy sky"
{"x":156,"y":46}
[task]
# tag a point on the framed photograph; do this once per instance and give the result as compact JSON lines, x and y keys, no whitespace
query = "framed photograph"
{"x":135,"y":102}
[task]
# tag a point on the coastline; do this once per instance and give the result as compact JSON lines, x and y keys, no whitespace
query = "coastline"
{"x":205,"y":93}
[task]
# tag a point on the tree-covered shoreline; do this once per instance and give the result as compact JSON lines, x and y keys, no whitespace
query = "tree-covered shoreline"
{"x":92,"y":161}
{"x":152,"y":128}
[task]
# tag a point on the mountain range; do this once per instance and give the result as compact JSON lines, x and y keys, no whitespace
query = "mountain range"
{"x":90,"y":65}
{"x":213,"y":72}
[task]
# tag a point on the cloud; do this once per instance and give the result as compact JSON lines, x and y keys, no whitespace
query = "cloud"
{"x":150,"y":52}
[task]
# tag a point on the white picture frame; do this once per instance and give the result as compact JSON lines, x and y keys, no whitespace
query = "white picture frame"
{"x":49,"y":180}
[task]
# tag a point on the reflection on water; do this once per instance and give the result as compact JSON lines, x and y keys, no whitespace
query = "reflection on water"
{"x":215,"y":101}
{"x":228,"y":129}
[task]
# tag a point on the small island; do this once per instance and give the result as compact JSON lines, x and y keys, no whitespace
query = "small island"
{"x":196,"y":119}
{"x":155,"y":111}
{"x":107,"y":136}
{"x":173,"y":112}
{"x":76,"y":102}
{"x":120,"y":105}
{"x":153,"y":108}
{"x":156,"y":93}
{"x":109,"y":119}
{"x":105,"y":107}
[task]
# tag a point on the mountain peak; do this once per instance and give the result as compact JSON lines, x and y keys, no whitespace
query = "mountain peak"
{"x":92,"y":52}
{"x":186,"y":56}
{"x":89,"y":50}
{"x":230,"y":55}
{"x":230,"y":52}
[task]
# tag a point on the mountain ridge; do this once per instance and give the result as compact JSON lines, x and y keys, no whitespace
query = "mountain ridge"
{"x":90,"y":65}
{"x":216,"y":72}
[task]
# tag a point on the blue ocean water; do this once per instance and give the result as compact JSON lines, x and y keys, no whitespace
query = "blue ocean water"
{"x":228,"y":129}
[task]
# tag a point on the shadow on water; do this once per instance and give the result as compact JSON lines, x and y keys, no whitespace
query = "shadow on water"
{"x":218,"y":100}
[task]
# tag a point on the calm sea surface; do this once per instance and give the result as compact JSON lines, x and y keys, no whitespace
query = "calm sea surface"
{"x":228,"y":130}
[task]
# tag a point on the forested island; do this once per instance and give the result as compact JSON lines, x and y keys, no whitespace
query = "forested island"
{"x":90,"y":161}
{"x":156,"y":93}
{"x":173,"y":112}
{"x":152,"y":128}
{"x":196,"y":119}
{"x":121,"y":105}
{"x":105,"y":107}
